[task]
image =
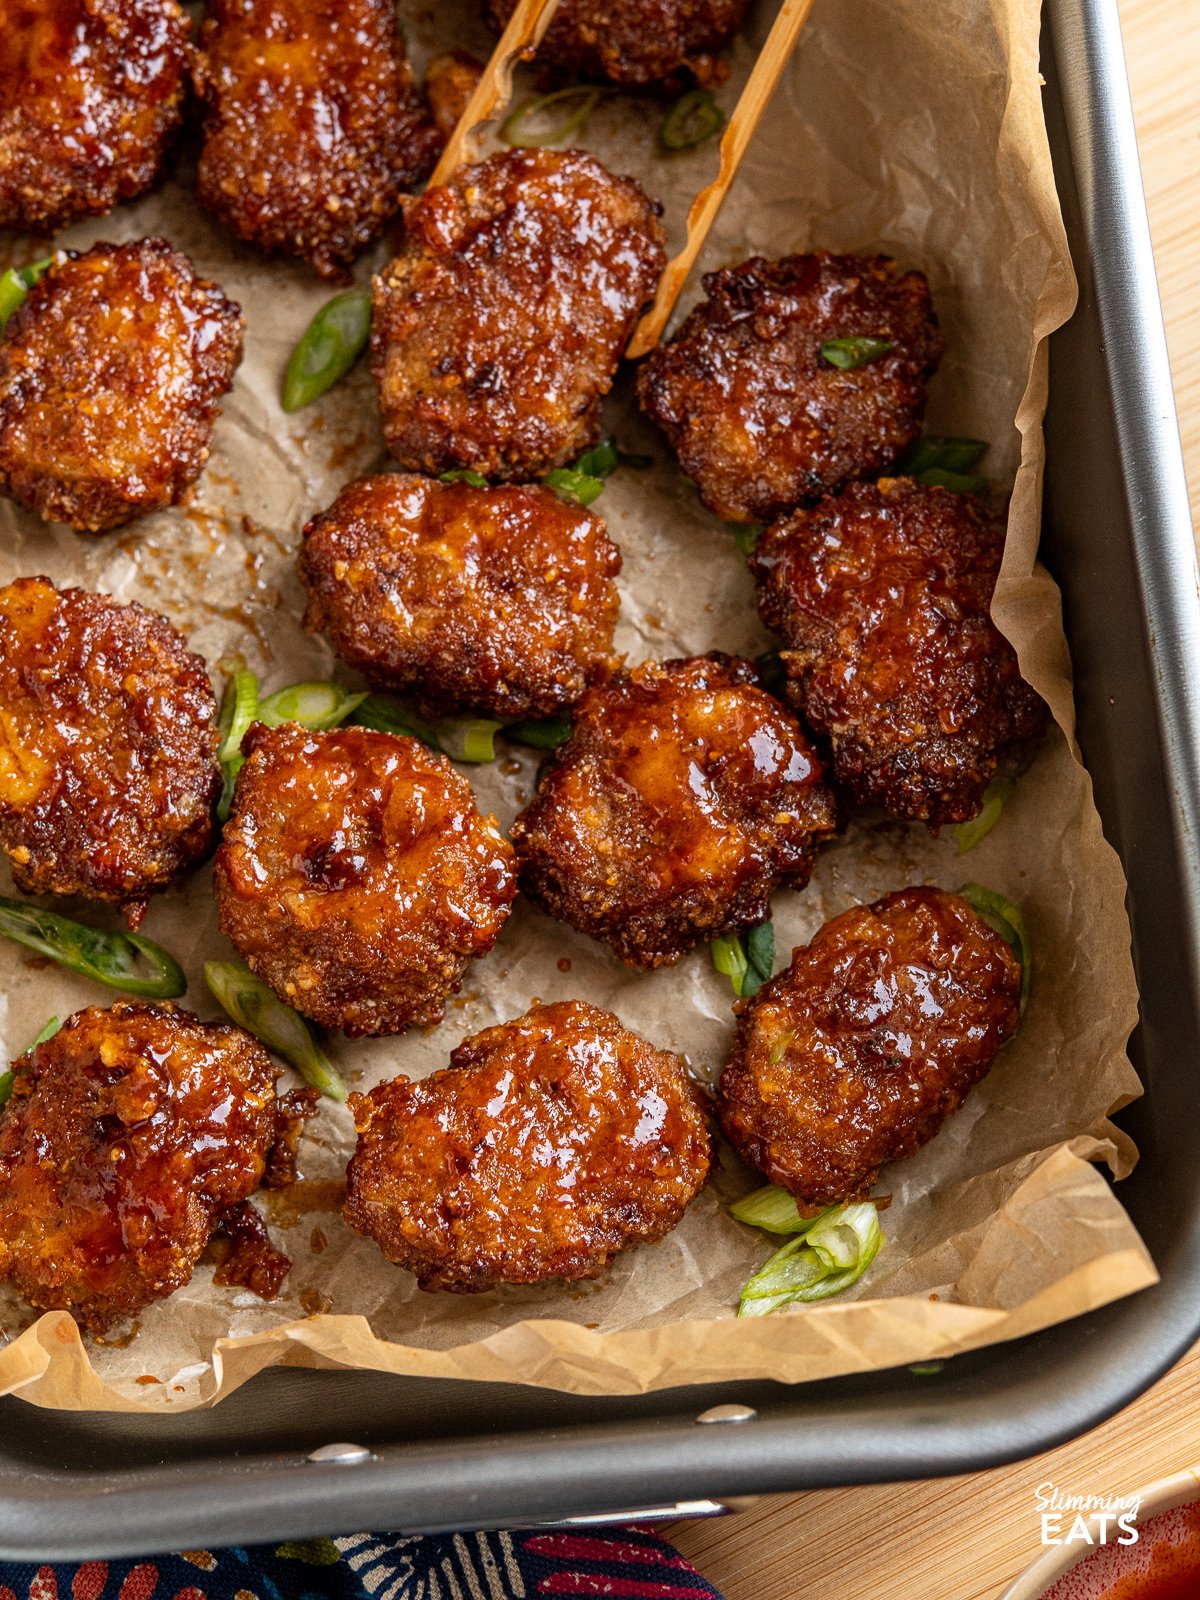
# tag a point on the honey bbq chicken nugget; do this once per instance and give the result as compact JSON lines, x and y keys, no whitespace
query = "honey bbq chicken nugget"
{"x":108,"y":745}
{"x":545,"y":1147}
{"x":498,"y":328}
{"x":882,"y":596}
{"x":857,"y":1053}
{"x":498,"y":599}
{"x":132,"y":1135}
{"x":683,"y":797}
{"x":757,"y":415}
{"x":357,"y":877}
{"x":636,"y":42}
{"x":110,"y":374}
{"x":313,"y":130}
{"x":91,"y":93}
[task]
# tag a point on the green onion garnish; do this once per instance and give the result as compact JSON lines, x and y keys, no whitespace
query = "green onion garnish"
{"x":312,"y":705}
{"x":956,"y":482}
{"x":935,"y":453}
{"x":261,"y":1012}
{"x":473,"y":741}
{"x":1004,"y":918}
{"x":48,"y":1032}
{"x":832,"y":1251}
{"x":746,"y":536}
{"x":6,"y":1088}
{"x":386,"y":715}
{"x":329,"y":347}
{"x":464,"y":475}
{"x":16,"y":283}
{"x":578,"y":102}
{"x":603,"y":459}
{"x":546,"y":734}
{"x":239,"y":707}
{"x":118,"y":960}
{"x":970,"y":833}
{"x":746,"y":961}
{"x":772,"y":1209}
{"x":850,"y":354}
{"x":694,"y":118}
{"x":577,"y":488}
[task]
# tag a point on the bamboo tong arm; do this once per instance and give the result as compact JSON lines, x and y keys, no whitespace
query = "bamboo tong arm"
{"x":755,"y":98}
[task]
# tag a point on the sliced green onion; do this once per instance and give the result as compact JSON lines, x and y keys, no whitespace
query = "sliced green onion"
{"x":547,"y":734}
{"x":464,"y":475}
{"x":603,"y":459}
{"x":956,"y":482}
{"x":760,"y":957}
{"x":926,"y":1369}
{"x":16,"y":283}
{"x":577,"y":488}
{"x":385,"y":715}
{"x":312,"y":705}
{"x":968,"y":834}
{"x":48,"y":1032}
{"x":850,"y":354}
{"x":473,"y":741}
{"x":109,"y":958}
{"x":772,"y":1209}
{"x":747,"y":962}
{"x":584,"y":99}
{"x":6,"y":1087}
{"x":329,"y":347}
{"x":746,"y":536}
{"x":694,"y":118}
{"x":1004,"y":918}
{"x":729,"y":957}
{"x":261,"y":1012}
{"x":934,"y":453}
{"x":828,"y":1257}
{"x":239,"y":707}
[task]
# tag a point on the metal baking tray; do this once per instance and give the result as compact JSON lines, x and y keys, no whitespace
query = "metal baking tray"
{"x":438,"y":1455}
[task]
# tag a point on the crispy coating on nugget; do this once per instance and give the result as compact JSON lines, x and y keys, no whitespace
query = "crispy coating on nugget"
{"x":545,"y":1147}
{"x":683,"y":797}
{"x":110,"y":374}
{"x":108,"y":744}
{"x":882,"y":596}
{"x":499,"y":599}
{"x":756,"y":415}
{"x":313,"y":130}
{"x":636,"y":42}
{"x":498,"y":328}
{"x":859,"y":1051}
{"x":131,"y":1136}
{"x":91,"y":93}
{"x":357,"y":877}
{"x":450,"y":81}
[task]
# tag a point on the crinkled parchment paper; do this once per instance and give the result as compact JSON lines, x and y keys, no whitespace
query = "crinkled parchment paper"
{"x":911,"y":128}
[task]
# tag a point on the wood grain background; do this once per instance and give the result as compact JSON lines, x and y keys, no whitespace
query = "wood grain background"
{"x":964,"y":1538}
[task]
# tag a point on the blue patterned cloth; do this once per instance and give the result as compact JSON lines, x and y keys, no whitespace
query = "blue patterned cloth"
{"x":623,"y":1562}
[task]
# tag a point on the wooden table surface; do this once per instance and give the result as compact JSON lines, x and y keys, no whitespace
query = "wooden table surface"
{"x":964,"y":1538}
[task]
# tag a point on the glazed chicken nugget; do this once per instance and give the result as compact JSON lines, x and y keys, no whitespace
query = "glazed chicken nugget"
{"x":108,"y":747}
{"x":313,"y":130}
{"x":110,"y":374}
{"x":683,"y":797}
{"x":498,"y":599}
{"x":91,"y":93}
{"x":450,"y":81}
{"x":756,"y":415}
{"x":882,"y":596}
{"x":636,"y":42}
{"x":859,"y":1051}
{"x":357,"y":877}
{"x":131,"y":1136}
{"x":498,"y":328}
{"x":545,"y":1147}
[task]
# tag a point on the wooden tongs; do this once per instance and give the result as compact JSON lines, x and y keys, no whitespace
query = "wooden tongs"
{"x":519,"y":41}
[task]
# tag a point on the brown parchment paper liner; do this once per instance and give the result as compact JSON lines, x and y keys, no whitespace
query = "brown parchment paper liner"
{"x":901,"y":127}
